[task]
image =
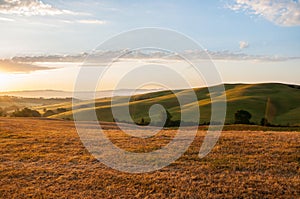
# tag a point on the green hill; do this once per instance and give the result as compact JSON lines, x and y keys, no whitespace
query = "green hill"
{"x":280,"y":103}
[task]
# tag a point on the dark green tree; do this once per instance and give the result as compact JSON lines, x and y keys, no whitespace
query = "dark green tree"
{"x":26,"y":112}
{"x":242,"y":117}
{"x":264,"y":122}
{"x":61,"y":110}
{"x":48,"y":113}
{"x":142,"y":121}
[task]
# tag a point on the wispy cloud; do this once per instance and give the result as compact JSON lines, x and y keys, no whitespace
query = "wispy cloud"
{"x":227,"y":55}
{"x":92,"y":21}
{"x":243,"y":44}
{"x":30,"y":8}
{"x":51,"y":58}
{"x":280,"y":12}
{"x":10,"y":66}
{"x":105,"y":56}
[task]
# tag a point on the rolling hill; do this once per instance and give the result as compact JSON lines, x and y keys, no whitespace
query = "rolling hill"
{"x":11,"y":103}
{"x":50,"y":94}
{"x":280,"y":103}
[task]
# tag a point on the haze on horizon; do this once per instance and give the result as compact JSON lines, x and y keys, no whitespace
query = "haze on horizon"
{"x":43,"y":43}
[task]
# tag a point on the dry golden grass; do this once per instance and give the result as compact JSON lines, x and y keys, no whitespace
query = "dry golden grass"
{"x":45,"y":159}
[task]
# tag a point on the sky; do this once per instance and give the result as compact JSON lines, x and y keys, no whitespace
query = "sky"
{"x":250,"y":41}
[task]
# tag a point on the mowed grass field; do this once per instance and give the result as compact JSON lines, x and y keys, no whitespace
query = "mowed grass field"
{"x":41,"y":158}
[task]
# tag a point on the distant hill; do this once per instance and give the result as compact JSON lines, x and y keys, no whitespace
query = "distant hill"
{"x":11,"y":103}
{"x":68,"y":94}
{"x":279,"y":102}
{"x":38,"y":94}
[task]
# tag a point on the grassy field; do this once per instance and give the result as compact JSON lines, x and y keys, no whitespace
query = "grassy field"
{"x":279,"y":103}
{"x":45,"y":159}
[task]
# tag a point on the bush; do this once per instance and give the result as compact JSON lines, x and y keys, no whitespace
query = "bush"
{"x":48,"y":113}
{"x":143,"y":122}
{"x":61,"y":110}
{"x":2,"y":112}
{"x":242,"y":117}
{"x":264,"y":122}
{"x":26,"y":112}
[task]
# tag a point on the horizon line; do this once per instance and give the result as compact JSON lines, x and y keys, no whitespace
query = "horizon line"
{"x":109,"y":90}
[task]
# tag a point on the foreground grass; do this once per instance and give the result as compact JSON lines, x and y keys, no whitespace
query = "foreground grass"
{"x":45,"y":159}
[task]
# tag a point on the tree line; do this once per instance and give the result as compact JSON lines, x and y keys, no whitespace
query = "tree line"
{"x":27,"y":112}
{"x":240,"y":117}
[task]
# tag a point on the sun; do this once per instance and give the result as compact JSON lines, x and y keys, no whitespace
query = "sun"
{"x":6,"y":81}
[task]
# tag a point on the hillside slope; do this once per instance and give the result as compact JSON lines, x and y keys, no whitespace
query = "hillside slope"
{"x":280,"y":103}
{"x":11,"y":103}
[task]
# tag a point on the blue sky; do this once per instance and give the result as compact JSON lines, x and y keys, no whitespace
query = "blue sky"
{"x":211,"y":23}
{"x":269,"y":28}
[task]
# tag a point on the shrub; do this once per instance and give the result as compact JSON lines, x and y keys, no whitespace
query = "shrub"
{"x":26,"y":112}
{"x":264,"y":122}
{"x":48,"y":113}
{"x":2,"y":112}
{"x":242,"y":117}
{"x":61,"y":110}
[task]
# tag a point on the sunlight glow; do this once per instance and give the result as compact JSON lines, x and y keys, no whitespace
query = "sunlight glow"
{"x":6,"y":81}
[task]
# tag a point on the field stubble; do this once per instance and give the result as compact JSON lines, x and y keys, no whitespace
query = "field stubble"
{"x":46,"y":159}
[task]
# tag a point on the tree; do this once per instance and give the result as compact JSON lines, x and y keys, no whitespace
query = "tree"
{"x":242,"y":117}
{"x":2,"y":112}
{"x":142,"y":121}
{"x":35,"y":113}
{"x":26,"y":112}
{"x":48,"y":113}
{"x":264,"y":122}
{"x":61,"y":110}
